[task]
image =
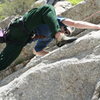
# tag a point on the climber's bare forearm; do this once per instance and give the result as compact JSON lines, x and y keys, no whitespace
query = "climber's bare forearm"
{"x":81,"y":24}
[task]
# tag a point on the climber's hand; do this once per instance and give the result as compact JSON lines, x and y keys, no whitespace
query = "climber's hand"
{"x":62,"y":39}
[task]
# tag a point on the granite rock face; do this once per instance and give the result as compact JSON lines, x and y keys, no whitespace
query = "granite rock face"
{"x":26,"y":53}
{"x":62,"y":6}
{"x":87,"y":10}
{"x":67,"y":73}
{"x":96,"y":94}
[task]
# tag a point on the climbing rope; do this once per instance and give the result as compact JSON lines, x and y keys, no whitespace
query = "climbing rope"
{"x":92,"y":15}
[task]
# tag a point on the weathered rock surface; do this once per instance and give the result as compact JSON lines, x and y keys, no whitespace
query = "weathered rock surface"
{"x":96,"y":95}
{"x":5,"y":22}
{"x":53,"y":2}
{"x":62,"y":6}
{"x":84,"y":10}
{"x":26,"y":53}
{"x":21,"y":61}
{"x":67,"y":73}
{"x":87,"y":10}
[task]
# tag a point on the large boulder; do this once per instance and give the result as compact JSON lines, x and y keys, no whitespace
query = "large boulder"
{"x":53,"y":2}
{"x":96,"y":94}
{"x":24,"y":57}
{"x":4,"y":23}
{"x":67,"y":73}
{"x":43,"y":2}
{"x":62,"y":6}
{"x":26,"y":53}
{"x":88,"y":10}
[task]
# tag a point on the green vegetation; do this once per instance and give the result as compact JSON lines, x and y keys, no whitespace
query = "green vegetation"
{"x":18,"y":7}
{"x":15,"y":7}
{"x":74,"y":2}
{"x":1,"y":11}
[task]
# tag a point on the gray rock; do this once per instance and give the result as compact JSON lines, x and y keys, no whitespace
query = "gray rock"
{"x":96,"y":95}
{"x":39,"y":3}
{"x":6,"y":21}
{"x":62,"y":6}
{"x":84,"y":10}
{"x":67,"y":73}
{"x":87,"y":10}
{"x":53,"y":2}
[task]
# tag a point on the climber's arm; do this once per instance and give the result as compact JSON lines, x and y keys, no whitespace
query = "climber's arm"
{"x":80,"y":24}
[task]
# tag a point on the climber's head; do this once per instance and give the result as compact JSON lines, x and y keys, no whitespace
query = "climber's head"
{"x":66,"y":29}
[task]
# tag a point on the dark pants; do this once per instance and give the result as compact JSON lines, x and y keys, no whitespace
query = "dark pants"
{"x":19,"y":36}
{"x":9,"y":54}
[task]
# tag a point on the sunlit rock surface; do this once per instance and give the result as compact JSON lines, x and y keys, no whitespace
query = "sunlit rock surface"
{"x":67,"y":73}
